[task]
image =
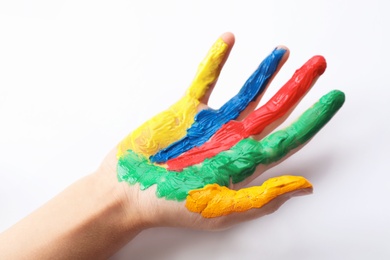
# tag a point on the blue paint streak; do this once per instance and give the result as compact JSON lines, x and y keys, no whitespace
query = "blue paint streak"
{"x":208,"y":121}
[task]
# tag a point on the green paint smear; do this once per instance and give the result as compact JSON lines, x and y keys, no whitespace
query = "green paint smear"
{"x":236,"y":164}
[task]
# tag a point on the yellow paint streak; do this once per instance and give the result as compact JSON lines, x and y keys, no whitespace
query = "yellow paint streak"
{"x":171,"y":125}
{"x":215,"y":201}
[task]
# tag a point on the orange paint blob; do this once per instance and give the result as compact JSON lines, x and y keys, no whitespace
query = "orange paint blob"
{"x":215,"y":201}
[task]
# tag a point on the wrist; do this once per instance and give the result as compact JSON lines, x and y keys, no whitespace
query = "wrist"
{"x":120,"y":197}
{"x":97,"y":220}
{"x":115,"y":202}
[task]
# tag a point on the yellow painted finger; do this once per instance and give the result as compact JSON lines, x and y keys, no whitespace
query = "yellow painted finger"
{"x":171,"y":125}
{"x":215,"y":201}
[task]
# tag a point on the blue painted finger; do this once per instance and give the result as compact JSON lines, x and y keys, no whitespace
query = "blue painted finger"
{"x":208,"y":121}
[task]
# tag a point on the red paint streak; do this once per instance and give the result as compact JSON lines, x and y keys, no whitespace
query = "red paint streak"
{"x":232,"y":132}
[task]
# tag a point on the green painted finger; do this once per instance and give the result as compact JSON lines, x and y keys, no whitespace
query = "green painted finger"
{"x":278,"y":144}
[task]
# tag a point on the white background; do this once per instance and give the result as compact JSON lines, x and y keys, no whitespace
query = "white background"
{"x":77,"y":76}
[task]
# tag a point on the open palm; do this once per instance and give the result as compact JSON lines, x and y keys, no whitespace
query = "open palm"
{"x":190,"y":162}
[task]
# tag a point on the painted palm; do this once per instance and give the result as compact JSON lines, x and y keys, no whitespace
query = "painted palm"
{"x":198,"y":154}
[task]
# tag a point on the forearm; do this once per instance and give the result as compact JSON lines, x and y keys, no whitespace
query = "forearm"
{"x":85,"y":221}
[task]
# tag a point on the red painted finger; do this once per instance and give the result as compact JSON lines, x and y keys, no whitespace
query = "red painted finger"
{"x":232,"y":132}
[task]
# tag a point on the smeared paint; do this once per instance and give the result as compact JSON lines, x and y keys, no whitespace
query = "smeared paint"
{"x":171,"y":125}
{"x":232,"y":132}
{"x":208,"y":121}
{"x":236,"y":164}
{"x":215,"y":201}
